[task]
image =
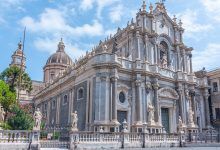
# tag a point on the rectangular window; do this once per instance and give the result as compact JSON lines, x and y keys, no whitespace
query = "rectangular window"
{"x":65,"y":100}
{"x":45,"y":107}
{"x":53,"y":104}
{"x":215,"y":87}
{"x":217,"y":113}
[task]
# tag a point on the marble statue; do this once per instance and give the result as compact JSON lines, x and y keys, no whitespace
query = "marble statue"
{"x":164,"y":61}
{"x":180,"y":122}
{"x":37,"y":119}
{"x":74,"y":120}
{"x":191,"y":122}
{"x":125,"y":126}
{"x":2,"y":114}
{"x":151,"y":113}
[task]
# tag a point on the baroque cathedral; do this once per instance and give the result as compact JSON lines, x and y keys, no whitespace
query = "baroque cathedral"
{"x":142,"y":75}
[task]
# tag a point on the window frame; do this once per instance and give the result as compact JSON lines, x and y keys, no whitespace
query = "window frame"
{"x":79,"y":98}
{"x":65,"y":96}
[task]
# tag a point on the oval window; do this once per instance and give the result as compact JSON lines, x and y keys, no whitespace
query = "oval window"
{"x":121,"y":97}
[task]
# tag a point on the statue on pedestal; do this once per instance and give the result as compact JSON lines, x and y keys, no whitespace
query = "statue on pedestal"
{"x":164,"y":61}
{"x":125,"y":126}
{"x":151,"y":114}
{"x":191,"y":122}
{"x":37,"y":120}
{"x":74,"y":120}
{"x":2,"y":114}
{"x":180,"y":122}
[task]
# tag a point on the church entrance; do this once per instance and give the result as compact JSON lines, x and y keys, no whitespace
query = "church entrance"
{"x":165,"y":119}
{"x":121,"y":115}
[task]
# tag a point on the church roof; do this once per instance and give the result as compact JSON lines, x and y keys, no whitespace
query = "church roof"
{"x":60,"y":57}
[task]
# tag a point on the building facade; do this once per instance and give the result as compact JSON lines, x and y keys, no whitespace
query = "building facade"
{"x":143,"y":74}
{"x":214,"y":91}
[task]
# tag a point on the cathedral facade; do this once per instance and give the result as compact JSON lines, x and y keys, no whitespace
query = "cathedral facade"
{"x":142,"y":75}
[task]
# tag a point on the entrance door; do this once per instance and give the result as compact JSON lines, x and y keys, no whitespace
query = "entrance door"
{"x":165,"y":119}
{"x":121,"y":115}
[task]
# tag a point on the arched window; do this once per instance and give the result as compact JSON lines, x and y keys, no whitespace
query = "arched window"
{"x":65,"y":99}
{"x":163,"y":47}
{"x":122,"y":97}
{"x":52,"y":75}
{"x":80,"y":93}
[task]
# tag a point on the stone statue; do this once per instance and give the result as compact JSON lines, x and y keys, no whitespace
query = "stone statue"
{"x":74,"y":120}
{"x":2,"y":114}
{"x":180,"y":122}
{"x":37,"y":119}
{"x":151,"y":113}
{"x":114,"y":47}
{"x":191,"y":122}
{"x":164,"y":61}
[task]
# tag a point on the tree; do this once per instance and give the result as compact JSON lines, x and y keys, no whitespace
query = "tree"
{"x":20,"y":120}
{"x":15,"y":78}
{"x":7,"y":97}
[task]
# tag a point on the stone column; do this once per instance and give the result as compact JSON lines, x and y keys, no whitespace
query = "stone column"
{"x":178,"y":58}
{"x":156,"y":101}
{"x":193,"y":105}
{"x":180,"y":91}
{"x":70,"y":105}
{"x":138,"y":101}
{"x":48,"y":112}
{"x":190,"y":58}
{"x":114,"y":99}
{"x":155,"y":53}
{"x":58,"y":110}
{"x":146,"y":48}
{"x":184,"y":61}
{"x":207,"y":112}
{"x":138,"y":45}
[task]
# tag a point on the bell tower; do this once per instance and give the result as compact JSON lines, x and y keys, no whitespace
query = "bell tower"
{"x":18,"y":58}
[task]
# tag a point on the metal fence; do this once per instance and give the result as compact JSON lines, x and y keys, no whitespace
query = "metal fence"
{"x":54,"y":138}
{"x":210,"y":136}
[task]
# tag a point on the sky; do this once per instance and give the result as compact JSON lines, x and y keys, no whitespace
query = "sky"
{"x":83,"y":23}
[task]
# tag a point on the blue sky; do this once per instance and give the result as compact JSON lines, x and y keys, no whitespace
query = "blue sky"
{"x":82,"y":23}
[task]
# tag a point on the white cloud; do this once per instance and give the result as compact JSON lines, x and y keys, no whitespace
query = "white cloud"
{"x":86,"y":4}
{"x":51,"y":25}
{"x":53,"y":21}
{"x":50,"y":45}
{"x":208,"y":58}
{"x":101,"y":4}
{"x":116,"y":13}
{"x":212,"y":7}
{"x":190,"y":20}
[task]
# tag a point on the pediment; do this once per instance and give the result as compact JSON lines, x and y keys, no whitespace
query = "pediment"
{"x":168,"y":93}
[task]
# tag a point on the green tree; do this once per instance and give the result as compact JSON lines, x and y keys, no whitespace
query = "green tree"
{"x":7,"y":97}
{"x":15,"y":78}
{"x":20,"y":120}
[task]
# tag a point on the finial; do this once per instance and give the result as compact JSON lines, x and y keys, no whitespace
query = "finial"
{"x":180,"y":23}
{"x":128,"y":23}
{"x":61,"y":46}
{"x":144,"y":5}
{"x":19,"y":45}
{"x":132,"y":21}
{"x":174,"y":18}
{"x":151,"y":8}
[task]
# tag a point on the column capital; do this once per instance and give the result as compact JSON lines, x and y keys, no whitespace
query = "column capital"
{"x":155,"y":86}
{"x":114,"y":78}
{"x":206,"y":95}
{"x":138,"y":82}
